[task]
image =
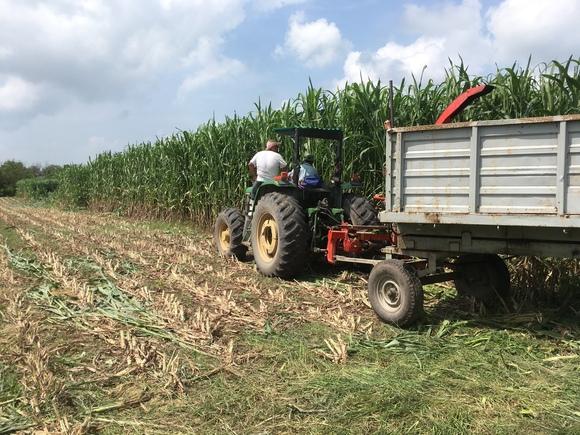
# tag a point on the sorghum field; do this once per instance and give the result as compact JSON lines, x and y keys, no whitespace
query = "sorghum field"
{"x":196,"y":174}
{"x":122,"y":326}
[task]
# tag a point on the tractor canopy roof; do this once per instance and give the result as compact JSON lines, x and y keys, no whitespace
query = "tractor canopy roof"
{"x":316,"y":133}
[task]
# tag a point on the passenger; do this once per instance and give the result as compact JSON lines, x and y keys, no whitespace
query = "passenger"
{"x":266,"y":164}
{"x":308,"y":175}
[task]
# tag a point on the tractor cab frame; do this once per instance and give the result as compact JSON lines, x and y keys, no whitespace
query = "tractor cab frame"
{"x":283,"y":222}
{"x":330,"y":195}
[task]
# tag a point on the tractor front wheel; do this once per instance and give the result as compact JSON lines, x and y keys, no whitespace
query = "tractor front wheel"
{"x":227,"y":233}
{"x":279,"y":235}
{"x":395,"y":292}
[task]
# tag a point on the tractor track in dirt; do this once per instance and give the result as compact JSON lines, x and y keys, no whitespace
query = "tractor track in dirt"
{"x":148,"y":300}
{"x":107,"y":320}
{"x":173,"y":263}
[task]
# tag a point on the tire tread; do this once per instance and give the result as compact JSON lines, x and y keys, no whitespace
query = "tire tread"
{"x":292,"y":233}
{"x":407,"y":279}
{"x":235,"y":220}
{"x":358,"y":210}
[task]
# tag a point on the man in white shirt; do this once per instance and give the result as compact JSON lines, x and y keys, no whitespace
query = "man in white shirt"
{"x":266,"y":164}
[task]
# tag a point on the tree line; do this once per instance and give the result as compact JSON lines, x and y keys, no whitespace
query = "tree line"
{"x":12,"y":171}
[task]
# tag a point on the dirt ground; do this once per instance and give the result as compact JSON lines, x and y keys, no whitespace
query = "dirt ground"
{"x":115,"y":325}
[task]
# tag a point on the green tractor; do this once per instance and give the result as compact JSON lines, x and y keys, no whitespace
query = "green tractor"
{"x":283,"y":223}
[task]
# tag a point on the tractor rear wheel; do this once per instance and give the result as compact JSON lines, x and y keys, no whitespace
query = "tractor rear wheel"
{"x":358,"y":210}
{"x":227,"y":233}
{"x":279,"y":235}
{"x":485,"y":277}
{"x":395,"y":292}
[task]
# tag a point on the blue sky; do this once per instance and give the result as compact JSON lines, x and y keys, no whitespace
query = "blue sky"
{"x":78,"y":77}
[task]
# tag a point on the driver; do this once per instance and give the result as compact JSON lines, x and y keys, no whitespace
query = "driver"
{"x":266,"y":164}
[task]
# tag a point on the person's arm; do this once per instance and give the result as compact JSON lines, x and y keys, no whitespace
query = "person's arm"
{"x":302,"y":174}
{"x":253,"y":167}
{"x":253,"y":171}
{"x":283,"y":165}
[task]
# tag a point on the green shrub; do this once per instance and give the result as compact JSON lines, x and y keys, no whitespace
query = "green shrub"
{"x":73,"y":185}
{"x":38,"y":188}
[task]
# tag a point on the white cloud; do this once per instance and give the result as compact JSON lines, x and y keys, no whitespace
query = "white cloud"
{"x":207,"y":67}
{"x":316,"y":43}
{"x":95,"y":50}
{"x":17,"y":95}
{"x":446,"y":31}
{"x":509,"y":32}
{"x":546,"y":30}
{"x":5,"y":52}
{"x":395,"y":58}
{"x":269,"y":5}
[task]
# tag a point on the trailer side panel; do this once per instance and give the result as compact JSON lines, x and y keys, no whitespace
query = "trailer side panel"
{"x":486,"y":173}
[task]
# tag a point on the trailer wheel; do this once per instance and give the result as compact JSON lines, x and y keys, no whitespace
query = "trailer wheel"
{"x":485,"y":277}
{"x":227,"y":233}
{"x":395,"y":292}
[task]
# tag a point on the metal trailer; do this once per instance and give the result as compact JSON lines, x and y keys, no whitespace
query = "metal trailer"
{"x":457,"y":195}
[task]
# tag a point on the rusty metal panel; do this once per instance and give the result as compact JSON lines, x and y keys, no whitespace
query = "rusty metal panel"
{"x":518,"y":168}
{"x":572,"y":175}
{"x":388,"y":174}
{"x":474,"y":164}
{"x":561,"y":169}
{"x":494,"y":219}
{"x":435,"y":171}
{"x":487,"y":173}
{"x":397,"y":188}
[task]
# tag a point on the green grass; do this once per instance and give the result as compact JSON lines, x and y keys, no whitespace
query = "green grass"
{"x":11,"y":237}
{"x":444,"y":385}
{"x":456,"y":372}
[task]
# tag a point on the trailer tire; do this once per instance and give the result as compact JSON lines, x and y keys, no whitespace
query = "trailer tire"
{"x":228,"y":232}
{"x":279,"y":235}
{"x":484,"y":277}
{"x":358,"y":210}
{"x":395,"y":292}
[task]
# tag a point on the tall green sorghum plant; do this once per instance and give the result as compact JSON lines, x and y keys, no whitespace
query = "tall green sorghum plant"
{"x":195,"y":174}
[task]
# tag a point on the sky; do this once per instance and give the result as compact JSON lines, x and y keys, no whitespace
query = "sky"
{"x":78,"y":77}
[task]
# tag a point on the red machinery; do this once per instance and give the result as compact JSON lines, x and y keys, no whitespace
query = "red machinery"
{"x":461,"y":102}
{"x":355,"y":241}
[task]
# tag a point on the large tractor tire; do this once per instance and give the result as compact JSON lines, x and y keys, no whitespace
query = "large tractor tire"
{"x":358,"y":210}
{"x":395,"y":292}
{"x":485,"y":277}
{"x":279,"y":235}
{"x":227,"y":233}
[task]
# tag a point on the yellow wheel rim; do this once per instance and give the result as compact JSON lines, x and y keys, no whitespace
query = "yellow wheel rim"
{"x":224,"y":237}
{"x":267,"y":237}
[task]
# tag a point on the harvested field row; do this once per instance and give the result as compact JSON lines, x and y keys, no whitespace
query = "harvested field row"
{"x":114,"y":325}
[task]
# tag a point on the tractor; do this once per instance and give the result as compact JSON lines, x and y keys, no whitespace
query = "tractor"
{"x":283,"y":222}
